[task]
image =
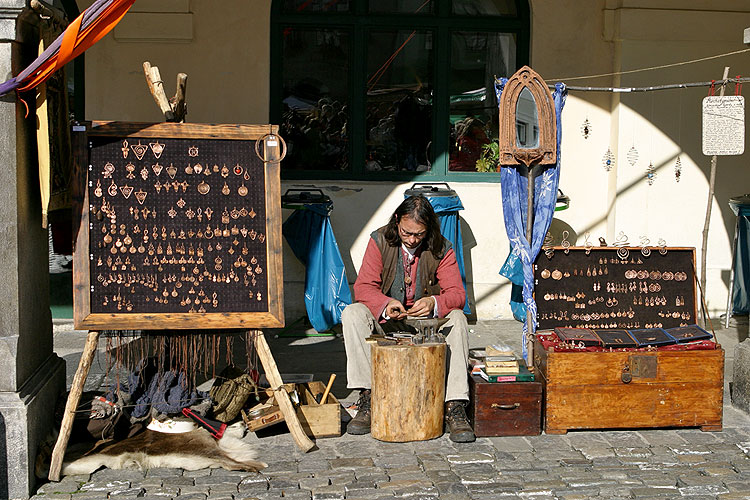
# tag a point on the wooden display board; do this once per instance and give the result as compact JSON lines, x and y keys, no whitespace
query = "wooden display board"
{"x":180,"y":227}
{"x":596,"y":288}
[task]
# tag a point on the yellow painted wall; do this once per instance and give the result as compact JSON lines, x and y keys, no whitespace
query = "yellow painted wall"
{"x":224,"y":48}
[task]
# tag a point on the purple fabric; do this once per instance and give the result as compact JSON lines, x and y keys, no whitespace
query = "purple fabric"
{"x":89,"y":16}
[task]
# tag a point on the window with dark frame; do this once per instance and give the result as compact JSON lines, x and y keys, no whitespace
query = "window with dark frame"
{"x":391,"y":90}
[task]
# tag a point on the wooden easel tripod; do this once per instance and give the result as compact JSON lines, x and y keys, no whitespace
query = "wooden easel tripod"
{"x":89,"y":349}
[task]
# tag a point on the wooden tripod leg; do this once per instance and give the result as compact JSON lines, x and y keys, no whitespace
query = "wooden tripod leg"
{"x":282,"y":397}
{"x":92,"y":340}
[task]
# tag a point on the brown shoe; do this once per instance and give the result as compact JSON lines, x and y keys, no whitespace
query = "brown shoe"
{"x":360,"y":424}
{"x":458,"y":423}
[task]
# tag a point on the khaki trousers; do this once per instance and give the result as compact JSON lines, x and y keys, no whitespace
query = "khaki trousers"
{"x":358,"y":323}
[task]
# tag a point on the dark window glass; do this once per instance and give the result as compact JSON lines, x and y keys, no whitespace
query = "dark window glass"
{"x":484,"y":7}
{"x":315,"y":99}
{"x":402,"y":6}
{"x":399,"y":100}
{"x":316,"y":5}
{"x":391,"y":89}
{"x":476,"y":59}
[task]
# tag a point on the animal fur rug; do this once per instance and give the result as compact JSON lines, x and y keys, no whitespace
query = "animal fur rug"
{"x":150,"y":449}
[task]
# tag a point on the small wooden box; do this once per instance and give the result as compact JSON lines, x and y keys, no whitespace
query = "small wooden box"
{"x":630,"y":388}
{"x":318,"y":419}
{"x":505,"y":408}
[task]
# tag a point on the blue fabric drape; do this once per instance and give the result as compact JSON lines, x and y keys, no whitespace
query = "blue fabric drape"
{"x":310,"y":235}
{"x":447,"y":208}
{"x":514,"y":188}
{"x":513,"y":270}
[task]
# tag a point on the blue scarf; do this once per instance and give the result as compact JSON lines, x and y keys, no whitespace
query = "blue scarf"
{"x":514,"y":189}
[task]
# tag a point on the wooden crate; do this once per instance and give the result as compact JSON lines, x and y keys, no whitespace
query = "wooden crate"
{"x":318,"y":419}
{"x":667,"y":388}
{"x":505,"y":408}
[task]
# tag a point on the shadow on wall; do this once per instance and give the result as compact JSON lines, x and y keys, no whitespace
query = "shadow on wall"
{"x":468,"y":242}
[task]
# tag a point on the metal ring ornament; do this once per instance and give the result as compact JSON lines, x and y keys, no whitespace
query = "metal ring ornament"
{"x":587,"y":243}
{"x":662,"y":246}
{"x":269,"y":136}
{"x":645,"y":250}
{"x":621,"y":243}
{"x":565,"y":243}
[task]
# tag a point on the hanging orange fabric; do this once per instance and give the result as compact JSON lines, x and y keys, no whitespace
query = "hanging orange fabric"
{"x":75,"y":41}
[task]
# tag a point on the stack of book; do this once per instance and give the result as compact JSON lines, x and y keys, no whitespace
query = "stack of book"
{"x":498,"y":364}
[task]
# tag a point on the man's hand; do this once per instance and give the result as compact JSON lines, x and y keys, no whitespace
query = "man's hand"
{"x":422,"y":307}
{"x":395,"y":310}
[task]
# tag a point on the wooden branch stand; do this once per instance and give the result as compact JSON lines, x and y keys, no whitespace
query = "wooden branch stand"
{"x":92,"y":341}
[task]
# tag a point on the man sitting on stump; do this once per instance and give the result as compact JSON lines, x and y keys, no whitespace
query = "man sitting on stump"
{"x":409,"y":269}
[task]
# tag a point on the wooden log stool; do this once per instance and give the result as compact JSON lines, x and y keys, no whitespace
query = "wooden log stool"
{"x":408,"y":392}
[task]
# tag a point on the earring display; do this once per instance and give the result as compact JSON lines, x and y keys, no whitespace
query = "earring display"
{"x":609,"y":160}
{"x":153,"y":252}
{"x":632,"y":156}
{"x":586,"y":129}
{"x":597,"y":288}
{"x":650,"y":174}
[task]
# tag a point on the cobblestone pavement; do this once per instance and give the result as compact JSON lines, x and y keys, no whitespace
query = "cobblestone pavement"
{"x":624,"y":464}
{"x":644,"y":464}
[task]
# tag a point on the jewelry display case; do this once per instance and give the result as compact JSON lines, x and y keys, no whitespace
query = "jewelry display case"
{"x":180,"y":227}
{"x":611,"y":288}
{"x":589,"y":386}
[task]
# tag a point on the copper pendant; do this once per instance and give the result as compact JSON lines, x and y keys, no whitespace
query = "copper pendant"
{"x":407,"y":280}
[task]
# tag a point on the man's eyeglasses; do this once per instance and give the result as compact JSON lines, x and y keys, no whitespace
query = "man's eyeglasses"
{"x":407,"y":234}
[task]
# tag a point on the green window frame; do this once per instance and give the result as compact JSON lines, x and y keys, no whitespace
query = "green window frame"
{"x":357,"y":21}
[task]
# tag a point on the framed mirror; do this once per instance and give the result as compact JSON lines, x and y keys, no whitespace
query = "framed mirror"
{"x":528,"y":129}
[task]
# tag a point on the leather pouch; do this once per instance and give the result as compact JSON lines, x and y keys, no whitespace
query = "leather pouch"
{"x":615,"y":338}
{"x":652,"y":337}
{"x":689,"y":333}
{"x":578,"y":335}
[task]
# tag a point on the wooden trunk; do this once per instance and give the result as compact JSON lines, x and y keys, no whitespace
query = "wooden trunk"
{"x":505,"y":408}
{"x":408,"y":392}
{"x":631,"y":389}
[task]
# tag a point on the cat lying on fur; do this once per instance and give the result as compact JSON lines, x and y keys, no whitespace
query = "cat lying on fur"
{"x":150,"y":449}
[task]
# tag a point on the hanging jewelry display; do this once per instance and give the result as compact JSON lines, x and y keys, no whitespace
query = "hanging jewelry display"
{"x":608,"y":161}
{"x":586,"y":128}
{"x":645,"y":250}
{"x":587,"y":243}
{"x":157,"y":148}
{"x":622,"y":243}
{"x":662,"y":246}
{"x":565,"y":243}
{"x":139,"y":150}
{"x":650,"y":173}
{"x":548,"y":245}
{"x":678,"y":162}
{"x":632,"y":155}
